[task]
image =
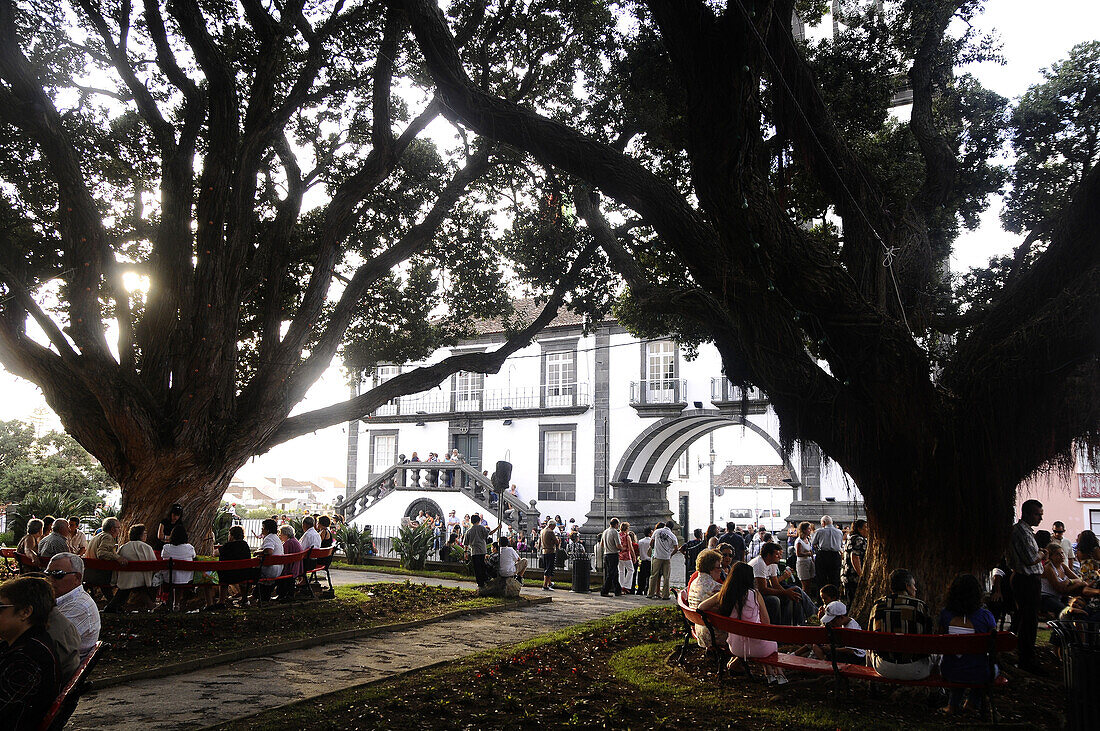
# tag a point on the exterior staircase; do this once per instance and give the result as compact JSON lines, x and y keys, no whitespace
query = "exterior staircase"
{"x":467,"y":480}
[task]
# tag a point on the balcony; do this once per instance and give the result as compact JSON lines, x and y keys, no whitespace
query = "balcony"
{"x":659,"y":397}
{"x":728,"y":397}
{"x":561,"y":398}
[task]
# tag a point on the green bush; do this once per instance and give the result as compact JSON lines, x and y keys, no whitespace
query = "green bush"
{"x":356,"y":543}
{"x":412,"y":545}
{"x":7,"y":539}
{"x":40,"y":504}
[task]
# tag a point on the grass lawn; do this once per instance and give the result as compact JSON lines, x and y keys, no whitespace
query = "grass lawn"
{"x":452,"y":575}
{"x":147,"y":640}
{"x":615,"y":673}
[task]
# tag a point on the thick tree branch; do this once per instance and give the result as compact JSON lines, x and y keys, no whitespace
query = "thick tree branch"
{"x":278,"y":387}
{"x":24,"y":104}
{"x":939,"y":157}
{"x":426,"y":377}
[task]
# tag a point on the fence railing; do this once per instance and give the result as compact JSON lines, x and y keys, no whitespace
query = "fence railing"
{"x":721,"y":389}
{"x":659,"y":391}
{"x":556,"y":395}
{"x":383,"y":536}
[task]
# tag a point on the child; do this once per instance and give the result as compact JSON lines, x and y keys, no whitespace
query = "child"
{"x":833,"y":613}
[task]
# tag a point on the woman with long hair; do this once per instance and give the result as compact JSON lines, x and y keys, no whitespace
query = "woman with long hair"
{"x":963,"y":614}
{"x":710,"y":538}
{"x":740,"y":599}
{"x":804,"y":556}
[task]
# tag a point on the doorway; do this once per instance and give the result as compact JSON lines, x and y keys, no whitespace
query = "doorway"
{"x":469,"y":446}
{"x":683,"y":519}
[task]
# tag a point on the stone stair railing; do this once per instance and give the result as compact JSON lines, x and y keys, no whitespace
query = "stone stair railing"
{"x":429,"y":476}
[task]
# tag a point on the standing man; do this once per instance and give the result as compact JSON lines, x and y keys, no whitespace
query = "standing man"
{"x":548,"y":545}
{"x":610,"y":543}
{"x":1027,"y":568}
{"x":663,"y":546}
{"x":757,"y":542}
{"x":691,"y":550}
{"x":476,"y":540}
{"x":735,"y":541}
{"x":826,"y":544}
{"x":78,"y":542}
{"x":645,"y":553}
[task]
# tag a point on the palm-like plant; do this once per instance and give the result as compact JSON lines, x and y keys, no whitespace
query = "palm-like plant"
{"x":412,"y":545}
{"x":356,"y":543}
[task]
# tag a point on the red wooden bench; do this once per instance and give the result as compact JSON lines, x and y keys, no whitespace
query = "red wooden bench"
{"x":285,"y":559}
{"x":988,"y":644}
{"x":323,"y":557}
{"x":63,"y":707}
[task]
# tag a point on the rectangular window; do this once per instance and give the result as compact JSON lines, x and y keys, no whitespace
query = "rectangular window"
{"x":761,"y":479}
{"x":561,"y":377}
{"x":660,"y":372}
{"x":1094,"y":521}
{"x":467,"y":391}
{"x":381,"y":375}
{"x":558,"y":453}
{"x":385,"y":445}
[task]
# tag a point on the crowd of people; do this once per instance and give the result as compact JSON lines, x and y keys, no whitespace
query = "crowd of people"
{"x":49,"y":615}
{"x":1037,"y":575}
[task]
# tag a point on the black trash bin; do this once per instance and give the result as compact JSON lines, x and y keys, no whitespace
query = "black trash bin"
{"x":582,"y":568}
{"x":1080,"y":640}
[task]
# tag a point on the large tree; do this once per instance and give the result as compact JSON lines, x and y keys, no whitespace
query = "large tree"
{"x":730,"y":151}
{"x":264,"y":169}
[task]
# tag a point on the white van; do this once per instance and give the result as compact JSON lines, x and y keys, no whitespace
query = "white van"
{"x":770,"y":518}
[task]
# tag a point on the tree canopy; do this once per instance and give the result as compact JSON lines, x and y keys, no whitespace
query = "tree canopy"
{"x":758,"y":192}
{"x":243,"y":192}
{"x":51,"y":468}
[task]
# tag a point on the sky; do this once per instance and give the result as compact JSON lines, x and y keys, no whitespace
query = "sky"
{"x":1033,"y":35}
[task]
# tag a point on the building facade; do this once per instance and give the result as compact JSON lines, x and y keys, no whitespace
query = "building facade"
{"x":595,"y":424}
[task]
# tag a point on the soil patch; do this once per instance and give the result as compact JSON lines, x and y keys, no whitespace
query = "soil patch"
{"x":151,"y":639}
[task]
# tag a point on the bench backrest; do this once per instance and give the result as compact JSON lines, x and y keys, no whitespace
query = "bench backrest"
{"x":69,"y":689}
{"x":975,"y":644}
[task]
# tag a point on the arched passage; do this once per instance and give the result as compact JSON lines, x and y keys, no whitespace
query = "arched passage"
{"x":649,"y":458}
{"x":430,"y":507}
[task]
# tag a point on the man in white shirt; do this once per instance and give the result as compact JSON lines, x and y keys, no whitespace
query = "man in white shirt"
{"x":511,"y":565}
{"x":310,"y":537}
{"x":271,"y":546}
{"x":610,"y":543}
{"x":765,"y":570}
{"x":452,"y":522}
{"x":78,"y":542}
{"x":66,"y":572}
{"x":662,"y":547}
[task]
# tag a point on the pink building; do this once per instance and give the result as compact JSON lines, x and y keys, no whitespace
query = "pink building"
{"x":1073,"y":499}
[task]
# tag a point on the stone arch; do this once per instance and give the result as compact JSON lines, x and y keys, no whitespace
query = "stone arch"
{"x":422,"y":503}
{"x":649,"y":458}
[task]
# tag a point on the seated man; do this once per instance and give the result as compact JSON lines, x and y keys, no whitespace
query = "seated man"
{"x":784,"y":604}
{"x":511,"y":565}
{"x":56,"y":542}
{"x":901,"y":612}
{"x":66,"y":571}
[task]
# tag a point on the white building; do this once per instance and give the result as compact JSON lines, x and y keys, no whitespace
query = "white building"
{"x":574,"y":413}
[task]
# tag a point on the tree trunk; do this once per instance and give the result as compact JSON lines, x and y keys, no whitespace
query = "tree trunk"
{"x":943,"y":522}
{"x":148,"y":496}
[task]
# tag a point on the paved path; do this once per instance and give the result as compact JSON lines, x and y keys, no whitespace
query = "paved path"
{"x":203,"y":697}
